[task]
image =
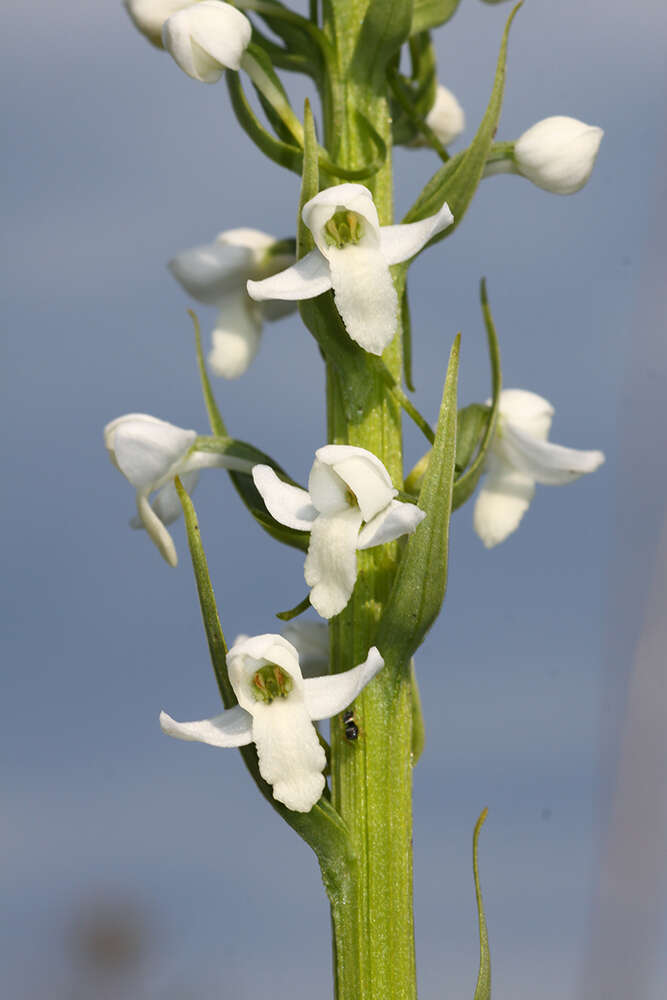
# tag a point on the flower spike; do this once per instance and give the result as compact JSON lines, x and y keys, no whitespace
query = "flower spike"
{"x":519,"y":457}
{"x":349,"y":505}
{"x":276,"y":710}
{"x":352,"y":255}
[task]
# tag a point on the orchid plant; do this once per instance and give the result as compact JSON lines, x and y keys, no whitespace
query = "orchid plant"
{"x":375,"y":537}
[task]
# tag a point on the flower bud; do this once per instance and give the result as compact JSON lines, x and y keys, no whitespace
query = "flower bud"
{"x":207,"y":38}
{"x":446,"y":118}
{"x":149,"y":15}
{"x":558,"y":153}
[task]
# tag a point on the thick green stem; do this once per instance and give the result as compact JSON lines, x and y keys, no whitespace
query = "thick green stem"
{"x":371,"y":776}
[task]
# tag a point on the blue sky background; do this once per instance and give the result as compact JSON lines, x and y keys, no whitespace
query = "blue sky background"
{"x":115,"y":162}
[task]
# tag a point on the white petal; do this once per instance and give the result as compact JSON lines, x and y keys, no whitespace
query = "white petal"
{"x":236,"y":336}
{"x":206,"y":39}
{"x":527,"y":411}
{"x":395,"y":520}
{"x":363,"y":473}
{"x":289,"y":753}
{"x":156,"y":529}
{"x":306,"y":279}
{"x":250,"y":653}
{"x":400,"y":242}
{"x":502,"y":501}
{"x":232,"y":728}
{"x":545,"y":462}
{"x":289,"y":505}
{"x":365,"y":295}
{"x":212,"y":271}
{"x":311,"y":640}
{"x":331,"y":564}
{"x":558,"y":153}
{"x":353,"y":197}
{"x":326,"y":696}
{"x":327,"y":490}
{"x":145,"y":448}
{"x":150,"y":15}
{"x":446,"y":118}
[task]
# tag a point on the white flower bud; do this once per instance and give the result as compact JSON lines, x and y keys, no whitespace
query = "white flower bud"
{"x":207,"y":38}
{"x":149,"y":15}
{"x":558,"y":153}
{"x":446,"y":118}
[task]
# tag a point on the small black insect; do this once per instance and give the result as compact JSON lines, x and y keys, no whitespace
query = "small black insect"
{"x":350,"y":726}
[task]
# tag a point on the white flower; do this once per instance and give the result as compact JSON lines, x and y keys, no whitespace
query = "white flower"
{"x":558,"y":153}
{"x":276,"y":711}
{"x":446,"y":118}
{"x":150,"y":15}
{"x":347,"y":487}
{"x":519,"y":457}
{"x":150,"y":452}
{"x":353,"y":254}
{"x":207,"y":38}
{"x":216,"y":274}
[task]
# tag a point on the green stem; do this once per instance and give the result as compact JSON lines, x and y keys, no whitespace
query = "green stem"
{"x":371,"y":777}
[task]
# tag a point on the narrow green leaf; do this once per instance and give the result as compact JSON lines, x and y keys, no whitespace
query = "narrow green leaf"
{"x":310,"y":180}
{"x":385,"y":27}
{"x":428,"y":14}
{"x":322,"y":828}
{"x":298,"y":609}
{"x":465,"y":486}
{"x":406,"y":324}
{"x":419,"y":588}
{"x":283,"y":153}
{"x":215,"y":420}
{"x":456,"y":182}
{"x":471,"y":424}
{"x":483,"y":987}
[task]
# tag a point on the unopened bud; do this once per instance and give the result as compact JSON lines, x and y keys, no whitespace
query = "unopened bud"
{"x":558,"y":153}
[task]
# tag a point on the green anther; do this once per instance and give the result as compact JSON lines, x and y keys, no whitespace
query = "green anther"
{"x":350,"y":498}
{"x":344,"y":228}
{"x":270,"y":682}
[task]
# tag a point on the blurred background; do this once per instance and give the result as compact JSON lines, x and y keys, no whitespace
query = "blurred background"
{"x":137,"y":866}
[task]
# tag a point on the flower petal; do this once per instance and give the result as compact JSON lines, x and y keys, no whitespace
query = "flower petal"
{"x":306,"y":279}
{"x":327,"y":490}
{"x":365,"y":295}
{"x":527,"y":411}
{"x":395,"y":520}
{"x":446,"y":118}
{"x":331,"y":564}
{"x":363,"y":473}
{"x":289,"y":505}
{"x":289,"y":753}
{"x":232,"y":728}
{"x":545,"y":462}
{"x":400,"y":242}
{"x":352,"y":197}
{"x":207,"y":38}
{"x":502,"y":501}
{"x":236,"y":336}
{"x":155,"y":529}
{"x":326,"y":696}
{"x":212,"y":271}
{"x":145,"y":448}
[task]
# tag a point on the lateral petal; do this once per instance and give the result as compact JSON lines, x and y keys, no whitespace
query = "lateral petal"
{"x":396,"y":519}
{"x":232,"y":728}
{"x":365,"y":295}
{"x":290,"y":505}
{"x":289,"y":753}
{"x":331,"y":564}
{"x":400,"y":242}
{"x":544,"y":462}
{"x":306,"y":279}
{"x":326,"y":696}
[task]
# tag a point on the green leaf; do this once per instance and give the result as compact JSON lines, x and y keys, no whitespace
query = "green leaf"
{"x":471,"y":424}
{"x":483,"y":987}
{"x":283,"y":153}
{"x":215,"y":420}
{"x":298,"y":609}
{"x":385,"y":27}
{"x":456,"y":182}
{"x":465,"y":486}
{"x":428,"y":14}
{"x":419,"y":588}
{"x":322,"y":828}
{"x":310,"y":180}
